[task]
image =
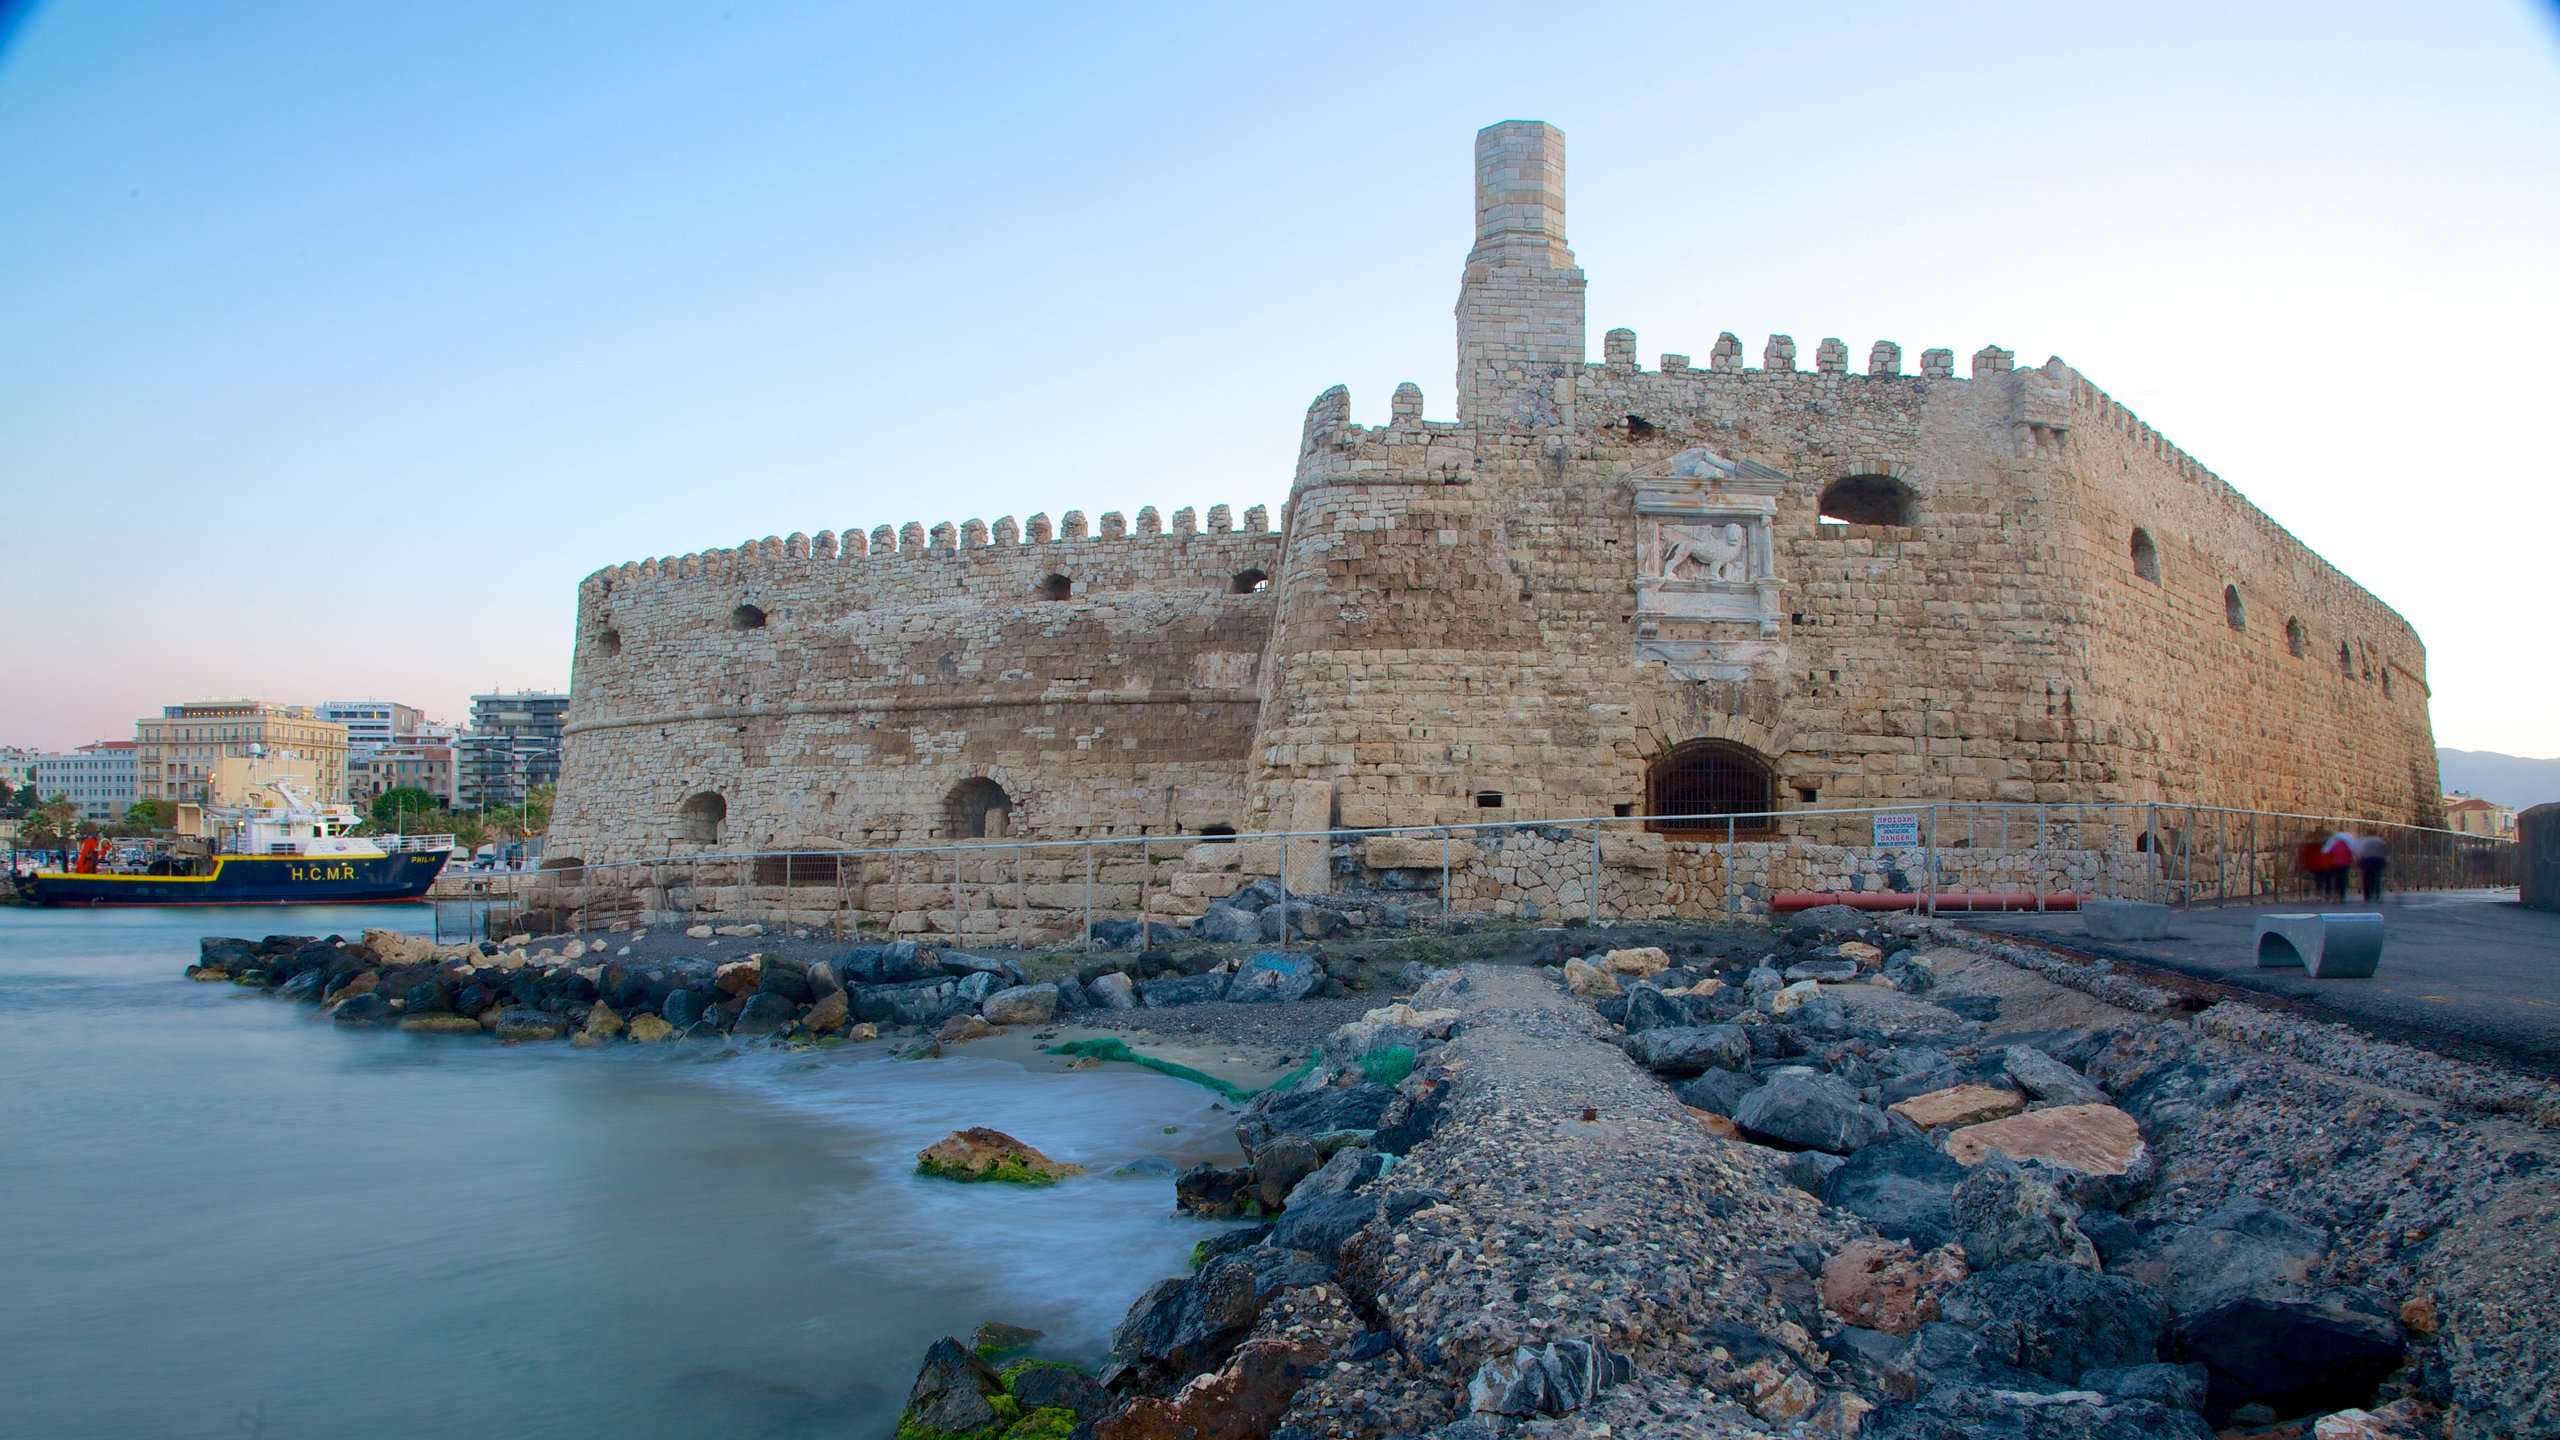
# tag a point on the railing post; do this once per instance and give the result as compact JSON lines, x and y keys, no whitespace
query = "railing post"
{"x":1021,"y":899}
{"x":959,"y":932}
{"x":1088,"y":895}
{"x":1929,"y":860}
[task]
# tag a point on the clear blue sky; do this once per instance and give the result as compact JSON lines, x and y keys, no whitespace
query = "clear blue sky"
{"x":338,"y":341}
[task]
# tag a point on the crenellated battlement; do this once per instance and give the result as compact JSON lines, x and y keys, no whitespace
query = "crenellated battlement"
{"x":946,"y":539}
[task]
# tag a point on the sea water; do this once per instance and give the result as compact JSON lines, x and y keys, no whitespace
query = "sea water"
{"x":221,"y":1215}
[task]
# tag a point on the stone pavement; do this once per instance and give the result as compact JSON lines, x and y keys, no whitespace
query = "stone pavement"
{"x":2470,"y":974}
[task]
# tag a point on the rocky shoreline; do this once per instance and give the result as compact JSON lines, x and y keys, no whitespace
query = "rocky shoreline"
{"x":1845,"y":1177}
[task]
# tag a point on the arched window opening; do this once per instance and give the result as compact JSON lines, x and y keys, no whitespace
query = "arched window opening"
{"x":1218,"y":834}
{"x":1695,"y":788}
{"x":703,"y":816}
{"x":2235,"y":612}
{"x":978,"y":809}
{"x":2146,"y":556}
{"x":608,"y":642}
{"x":1867,"y":500}
{"x":2297,"y":641}
{"x":746,"y":617}
{"x":1250,"y":582}
{"x":1057,"y":587}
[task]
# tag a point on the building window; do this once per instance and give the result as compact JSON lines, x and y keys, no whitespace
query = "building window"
{"x":1696,"y":788}
{"x":978,"y":809}
{"x":1867,"y":500}
{"x":2235,"y":613}
{"x":2146,"y":556}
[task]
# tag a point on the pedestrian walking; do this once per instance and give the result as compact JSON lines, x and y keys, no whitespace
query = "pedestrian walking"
{"x":2372,"y":854}
{"x":2338,"y":856}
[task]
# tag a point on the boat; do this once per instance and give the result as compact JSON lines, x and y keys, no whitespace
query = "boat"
{"x":294,"y":852}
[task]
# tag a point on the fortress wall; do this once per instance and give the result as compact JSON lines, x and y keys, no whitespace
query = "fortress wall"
{"x":1917,"y":661}
{"x":2198,"y":711}
{"x":877,"y":682}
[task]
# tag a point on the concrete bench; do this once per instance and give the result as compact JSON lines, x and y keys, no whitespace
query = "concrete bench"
{"x":2327,"y":947}
{"x":2124,"y":919}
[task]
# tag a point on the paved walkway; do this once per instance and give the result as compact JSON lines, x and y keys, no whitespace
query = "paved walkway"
{"x":2466,"y":973}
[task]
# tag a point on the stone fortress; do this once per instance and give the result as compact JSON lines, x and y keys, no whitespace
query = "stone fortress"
{"x":1602,"y":590}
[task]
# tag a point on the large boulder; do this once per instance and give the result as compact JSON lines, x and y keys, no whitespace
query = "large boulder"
{"x":1584,"y":978}
{"x":764,"y":1013}
{"x":2242,"y":1250}
{"x":1214,"y":1192}
{"x":1183,"y":990}
{"x":1717,"y":1091}
{"x":1113,"y":991}
{"x":2006,"y":1213}
{"x":1021,"y":1005}
{"x":953,"y":1393}
{"x":914,"y":1002}
{"x":1317,"y":1111}
{"x":1269,"y":975}
{"x":524,"y":1024}
{"x":1904,"y":1188}
{"x":1686,"y":1050}
{"x":979,"y":1153}
{"x":2296,"y":1356}
{"x":1322,"y":1224}
{"x":2099,"y":1146}
{"x":1224,"y":924}
{"x":1809,"y":1111}
{"x":1650,"y":1009}
{"x":2049,"y":1079}
{"x":2059,"y":1320}
{"x":1883,"y":1285}
{"x":1958,"y":1105}
{"x":788,"y":980}
{"x":369,"y":1008}
{"x":887,"y":964}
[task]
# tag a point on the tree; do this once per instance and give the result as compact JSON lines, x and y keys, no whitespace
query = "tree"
{"x":49,"y":824}
{"x":393,"y":809}
{"x":146,"y":815}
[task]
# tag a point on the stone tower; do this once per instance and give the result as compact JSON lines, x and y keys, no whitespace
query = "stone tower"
{"x":1520,"y":305}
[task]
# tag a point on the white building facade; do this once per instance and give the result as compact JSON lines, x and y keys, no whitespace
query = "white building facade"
{"x":100,"y":779}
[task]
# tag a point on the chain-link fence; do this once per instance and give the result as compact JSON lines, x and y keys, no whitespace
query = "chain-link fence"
{"x":1282,"y":887}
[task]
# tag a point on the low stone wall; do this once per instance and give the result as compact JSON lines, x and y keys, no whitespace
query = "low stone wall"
{"x":1043,"y":895}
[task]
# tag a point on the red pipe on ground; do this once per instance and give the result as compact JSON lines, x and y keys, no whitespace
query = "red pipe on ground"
{"x":1789,"y":901}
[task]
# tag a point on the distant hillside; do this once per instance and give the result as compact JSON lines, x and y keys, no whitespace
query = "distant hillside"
{"x":2507,"y":779}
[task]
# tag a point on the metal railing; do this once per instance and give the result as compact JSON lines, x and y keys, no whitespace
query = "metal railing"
{"x":1112,"y":889}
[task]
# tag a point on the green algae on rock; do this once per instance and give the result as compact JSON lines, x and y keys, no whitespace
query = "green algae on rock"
{"x":978,"y":1153}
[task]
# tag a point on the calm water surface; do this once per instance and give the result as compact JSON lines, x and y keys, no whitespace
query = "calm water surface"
{"x":222,"y":1216}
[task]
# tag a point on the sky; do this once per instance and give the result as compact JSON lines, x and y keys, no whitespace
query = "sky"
{"x":337,"y":342}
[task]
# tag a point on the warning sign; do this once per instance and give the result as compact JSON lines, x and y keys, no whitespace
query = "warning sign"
{"x":1897,"y":832}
